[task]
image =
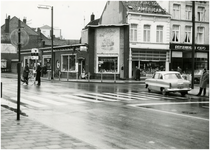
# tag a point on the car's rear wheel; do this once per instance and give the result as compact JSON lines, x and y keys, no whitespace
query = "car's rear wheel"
{"x":163,"y":91}
{"x":183,"y":93}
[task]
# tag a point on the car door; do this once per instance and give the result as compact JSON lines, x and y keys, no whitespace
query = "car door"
{"x":153,"y":83}
{"x":157,"y":82}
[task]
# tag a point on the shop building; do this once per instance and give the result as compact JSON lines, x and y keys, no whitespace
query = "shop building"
{"x":69,"y":60}
{"x":148,"y":35}
{"x":181,"y":34}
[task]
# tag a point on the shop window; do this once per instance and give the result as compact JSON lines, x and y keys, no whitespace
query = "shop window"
{"x":159,"y":34}
{"x":108,"y":64}
{"x":146,"y":33}
{"x":176,"y":11}
{"x":187,"y":34}
{"x":188,"y":12}
{"x":68,"y":63}
{"x":175,"y":33}
{"x":47,"y":63}
{"x":200,"y":35}
{"x":133,"y":33}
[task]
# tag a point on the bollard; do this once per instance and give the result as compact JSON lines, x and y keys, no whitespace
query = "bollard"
{"x":88,"y":76}
{"x":101,"y":76}
{"x":114,"y":77}
{"x":59,"y":75}
{"x":67,"y":76}
{"x":1,"y":89}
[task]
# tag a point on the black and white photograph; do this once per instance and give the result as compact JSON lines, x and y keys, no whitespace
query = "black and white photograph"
{"x":104,"y":74}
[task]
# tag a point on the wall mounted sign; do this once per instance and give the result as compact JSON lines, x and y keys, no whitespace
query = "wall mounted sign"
{"x":189,"y":47}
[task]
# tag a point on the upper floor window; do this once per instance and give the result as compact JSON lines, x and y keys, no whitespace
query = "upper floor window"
{"x":201,"y":14}
{"x":187,"y":34}
{"x":159,"y":34}
{"x":146,"y":33}
{"x":176,"y":11}
{"x":200,"y":35}
{"x":175,"y":33}
{"x":133,"y":33}
{"x":188,"y":12}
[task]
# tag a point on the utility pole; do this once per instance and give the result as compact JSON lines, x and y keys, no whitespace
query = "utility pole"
{"x":19,"y":71}
{"x":193,"y":43}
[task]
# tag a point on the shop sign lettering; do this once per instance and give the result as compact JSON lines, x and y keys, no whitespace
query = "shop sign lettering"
{"x":188,"y":47}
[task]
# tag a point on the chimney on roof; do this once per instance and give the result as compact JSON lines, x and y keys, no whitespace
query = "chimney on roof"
{"x":24,"y":20}
{"x":92,"y":17}
{"x":7,"y":24}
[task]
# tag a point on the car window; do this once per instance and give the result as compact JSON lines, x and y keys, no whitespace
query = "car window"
{"x":156,"y":76}
{"x":172,"y":76}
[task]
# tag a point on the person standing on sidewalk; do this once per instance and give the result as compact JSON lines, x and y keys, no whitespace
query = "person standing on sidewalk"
{"x":38,"y":74}
{"x":25,"y":74}
{"x":203,"y":82}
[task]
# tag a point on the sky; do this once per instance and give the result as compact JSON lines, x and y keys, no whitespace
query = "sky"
{"x":69,"y":16}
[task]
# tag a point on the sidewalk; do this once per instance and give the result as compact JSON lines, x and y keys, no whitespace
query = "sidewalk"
{"x":28,"y":134}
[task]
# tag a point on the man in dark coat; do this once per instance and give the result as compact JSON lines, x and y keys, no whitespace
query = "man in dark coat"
{"x":138,"y":74}
{"x":203,"y":82}
{"x":38,"y":74}
{"x":25,"y":74}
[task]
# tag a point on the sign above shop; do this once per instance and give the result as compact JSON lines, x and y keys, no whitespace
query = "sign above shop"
{"x":34,"y":53}
{"x":188,"y":47}
{"x":83,"y":48}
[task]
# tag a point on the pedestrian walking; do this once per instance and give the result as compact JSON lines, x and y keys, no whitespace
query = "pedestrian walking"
{"x":179,"y":70}
{"x":203,"y":82}
{"x":138,"y":73}
{"x":38,"y":74}
{"x":25,"y":74}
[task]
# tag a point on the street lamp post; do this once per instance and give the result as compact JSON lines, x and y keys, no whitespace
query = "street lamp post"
{"x":51,"y":34}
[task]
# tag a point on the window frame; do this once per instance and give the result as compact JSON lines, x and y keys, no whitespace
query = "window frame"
{"x":188,"y":12}
{"x":159,"y":34}
{"x":68,"y":70}
{"x":202,"y":38}
{"x":117,"y":66}
{"x":133,"y":32}
{"x":147,"y":33}
{"x":176,"y":12}
{"x":188,"y":35}
{"x":201,"y":14}
{"x":176,"y":32}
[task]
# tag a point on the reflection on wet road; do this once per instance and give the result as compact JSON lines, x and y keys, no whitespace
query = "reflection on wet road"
{"x":116,"y":116}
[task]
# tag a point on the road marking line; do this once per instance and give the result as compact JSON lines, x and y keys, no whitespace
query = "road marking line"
{"x":113,"y":97}
{"x":95,"y":95}
{"x":65,"y":99}
{"x":125,"y":95}
{"x":175,"y":103}
{"x":28,"y":102}
{"x":44,"y":100}
{"x":80,"y":98}
{"x":175,"y":114}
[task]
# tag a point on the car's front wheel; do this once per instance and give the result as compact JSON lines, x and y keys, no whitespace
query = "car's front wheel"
{"x":163,"y":91}
{"x":183,"y":93}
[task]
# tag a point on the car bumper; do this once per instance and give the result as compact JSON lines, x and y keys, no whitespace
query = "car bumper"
{"x":178,"y":90}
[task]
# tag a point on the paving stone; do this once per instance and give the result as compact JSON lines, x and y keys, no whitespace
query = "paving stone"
{"x":54,"y":146}
{"x":28,"y":134}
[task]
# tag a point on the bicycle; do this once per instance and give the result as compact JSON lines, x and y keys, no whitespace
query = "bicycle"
{"x":31,"y":79}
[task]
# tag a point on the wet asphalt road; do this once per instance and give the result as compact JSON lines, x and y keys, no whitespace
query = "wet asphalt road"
{"x":116,"y":116}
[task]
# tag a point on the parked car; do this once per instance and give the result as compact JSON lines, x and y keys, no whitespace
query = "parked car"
{"x":168,"y":81}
